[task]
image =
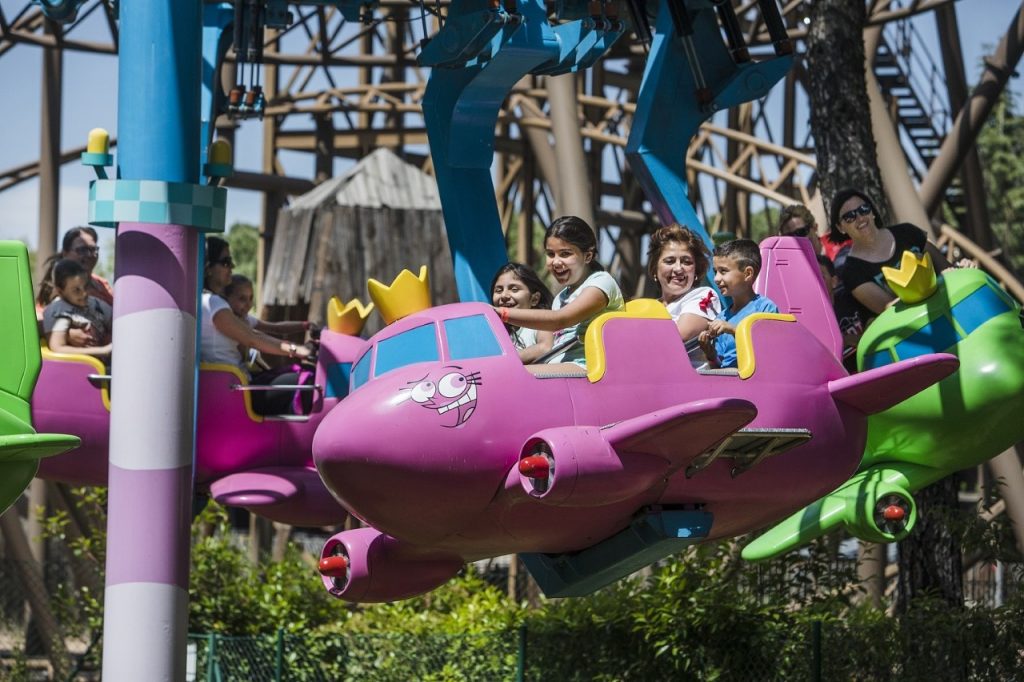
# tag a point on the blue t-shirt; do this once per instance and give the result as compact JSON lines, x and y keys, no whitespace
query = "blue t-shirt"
{"x":725,"y":344}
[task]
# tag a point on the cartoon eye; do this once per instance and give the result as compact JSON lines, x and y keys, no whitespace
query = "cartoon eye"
{"x":451,"y":385}
{"x":423,"y":391}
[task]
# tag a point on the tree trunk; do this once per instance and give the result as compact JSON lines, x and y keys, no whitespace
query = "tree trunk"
{"x":931,"y":567}
{"x":845,"y":148}
{"x":840,"y":116}
{"x":930,"y":561}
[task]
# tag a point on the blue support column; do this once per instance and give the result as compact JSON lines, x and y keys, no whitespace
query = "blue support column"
{"x":460,"y":107}
{"x":155,"y":206}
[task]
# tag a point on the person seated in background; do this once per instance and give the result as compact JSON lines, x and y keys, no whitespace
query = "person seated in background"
{"x":239,"y":294}
{"x":570,"y":247}
{"x":736,"y":265}
{"x":517,"y":286}
{"x":79,"y":244}
{"x":853,"y":215}
{"x":796,"y":220}
{"x":75,"y":309}
{"x":849,"y":314}
{"x":677,"y":261}
{"x":222,"y":333}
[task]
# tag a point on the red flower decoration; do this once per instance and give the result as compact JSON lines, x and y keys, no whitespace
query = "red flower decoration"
{"x":705,"y":303}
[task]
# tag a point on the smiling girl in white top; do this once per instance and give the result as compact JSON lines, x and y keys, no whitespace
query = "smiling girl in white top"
{"x":571,"y":248}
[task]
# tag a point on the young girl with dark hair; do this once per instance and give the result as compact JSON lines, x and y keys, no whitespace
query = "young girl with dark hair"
{"x":517,"y":286}
{"x":571,"y":250}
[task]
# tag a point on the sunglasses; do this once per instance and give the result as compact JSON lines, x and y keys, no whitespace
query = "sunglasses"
{"x":850,"y":216}
{"x":799,"y":232}
{"x":226,"y":262}
{"x":87,"y":250}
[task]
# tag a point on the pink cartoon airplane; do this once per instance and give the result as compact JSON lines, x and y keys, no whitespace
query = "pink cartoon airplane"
{"x":243,"y":459}
{"x":451,"y":451}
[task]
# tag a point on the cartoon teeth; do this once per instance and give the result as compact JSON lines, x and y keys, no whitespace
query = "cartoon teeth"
{"x":468,"y":398}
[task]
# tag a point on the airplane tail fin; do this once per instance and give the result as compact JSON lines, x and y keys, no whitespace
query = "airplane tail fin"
{"x":790,"y":276}
{"x":20,"y":446}
{"x":19,"y":339}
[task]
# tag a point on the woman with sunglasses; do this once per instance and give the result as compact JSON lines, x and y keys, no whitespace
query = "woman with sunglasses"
{"x":854,"y":215}
{"x":222,"y":333}
{"x":79,"y":245}
{"x":796,"y":220}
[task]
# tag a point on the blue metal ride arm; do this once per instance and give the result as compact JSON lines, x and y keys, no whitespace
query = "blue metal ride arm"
{"x":477,"y":57}
{"x":672,"y":105}
{"x":460,"y":107}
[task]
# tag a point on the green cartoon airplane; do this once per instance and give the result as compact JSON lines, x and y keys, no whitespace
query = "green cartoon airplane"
{"x":963,"y":420}
{"x":20,"y":446}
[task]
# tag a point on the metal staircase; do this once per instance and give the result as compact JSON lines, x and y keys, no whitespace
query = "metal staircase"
{"x":915,"y":87}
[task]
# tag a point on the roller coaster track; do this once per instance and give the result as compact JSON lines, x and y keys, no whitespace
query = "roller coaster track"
{"x":720,"y":159}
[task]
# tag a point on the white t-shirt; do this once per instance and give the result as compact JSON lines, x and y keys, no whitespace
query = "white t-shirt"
{"x":701,"y":301}
{"x":214,"y":346}
{"x":606,"y":283}
{"x":523,"y":337}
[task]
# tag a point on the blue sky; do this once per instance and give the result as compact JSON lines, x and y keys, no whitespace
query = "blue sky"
{"x":90,"y":101}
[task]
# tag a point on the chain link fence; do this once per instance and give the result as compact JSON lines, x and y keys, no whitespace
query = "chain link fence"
{"x":924,"y":648}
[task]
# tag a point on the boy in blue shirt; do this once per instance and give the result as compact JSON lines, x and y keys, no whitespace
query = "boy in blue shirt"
{"x":736,"y":266}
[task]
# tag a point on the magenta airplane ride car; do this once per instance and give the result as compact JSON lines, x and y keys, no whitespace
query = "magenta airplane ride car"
{"x":451,"y":451}
{"x":261,"y":463}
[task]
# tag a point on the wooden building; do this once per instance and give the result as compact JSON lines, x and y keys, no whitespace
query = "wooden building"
{"x":381,"y":216}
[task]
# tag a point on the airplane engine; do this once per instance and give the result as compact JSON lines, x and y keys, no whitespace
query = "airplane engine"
{"x":578,"y":467}
{"x":365,"y":565}
{"x":885,"y":514}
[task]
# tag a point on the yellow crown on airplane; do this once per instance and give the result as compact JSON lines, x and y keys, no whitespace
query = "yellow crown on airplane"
{"x":347,"y":318}
{"x":408,"y":294}
{"x":915,"y":280}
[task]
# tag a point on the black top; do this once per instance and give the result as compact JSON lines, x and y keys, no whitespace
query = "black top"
{"x":856,"y":271}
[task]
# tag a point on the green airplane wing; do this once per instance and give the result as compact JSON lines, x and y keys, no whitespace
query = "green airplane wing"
{"x":20,"y":446}
{"x":874,"y":505}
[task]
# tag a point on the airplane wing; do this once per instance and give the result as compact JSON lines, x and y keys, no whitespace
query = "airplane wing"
{"x":874,"y":505}
{"x":875,"y":390}
{"x":681,"y":432}
{"x":292,"y":495}
{"x":30,"y":447}
{"x":586,"y":466}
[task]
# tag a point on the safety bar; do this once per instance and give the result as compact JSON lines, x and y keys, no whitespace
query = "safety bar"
{"x":278,"y":387}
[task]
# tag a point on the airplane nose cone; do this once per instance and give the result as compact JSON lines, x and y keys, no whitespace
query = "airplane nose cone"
{"x":403,"y":468}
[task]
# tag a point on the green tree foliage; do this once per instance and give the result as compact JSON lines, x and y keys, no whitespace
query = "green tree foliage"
{"x":1001,"y":146}
{"x":244,"y":239}
{"x":229,"y":594}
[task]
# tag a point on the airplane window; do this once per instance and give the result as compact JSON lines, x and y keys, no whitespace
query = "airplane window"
{"x":415,"y":345}
{"x":978,"y":308}
{"x":338,"y":375}
{"x":470,"y":337}
{"x":935,"y":337}
{"x":361,"y":372}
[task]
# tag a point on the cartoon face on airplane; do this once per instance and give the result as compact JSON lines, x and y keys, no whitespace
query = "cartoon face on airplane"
{"x":454,"y":392}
